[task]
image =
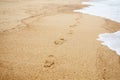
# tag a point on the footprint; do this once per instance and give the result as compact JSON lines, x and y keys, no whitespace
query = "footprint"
{"x":59,"y":41}
{"x":77,"y":20}
{"x":103,"y":75}
{"x":13,"y":28}
{"x":74,"y":25}
{"x":70,"y":32}
{"x":49,"y":62}
{"x":4,"y":31}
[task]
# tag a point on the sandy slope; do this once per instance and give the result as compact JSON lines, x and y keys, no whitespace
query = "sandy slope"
{"x":45,"y":40}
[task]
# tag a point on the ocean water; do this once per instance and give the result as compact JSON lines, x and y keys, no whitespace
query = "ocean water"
{"x":109,"y":9}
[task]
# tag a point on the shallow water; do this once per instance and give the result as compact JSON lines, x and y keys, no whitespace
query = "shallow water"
{"x":109,"y":9}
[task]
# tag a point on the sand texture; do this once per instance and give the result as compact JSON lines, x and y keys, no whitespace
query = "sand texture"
{"x":46,"y":40}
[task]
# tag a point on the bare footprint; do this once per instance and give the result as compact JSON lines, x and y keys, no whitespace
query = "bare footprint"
{"x":59,"y":41}
{"x":49,"y":62}
{"x":103,"y":75}
{"x":77,"y":20}
{"x":70,"y":32}
{"x":13,"y":28}
{"x":4,"y":31}
{"x":74,"y":25}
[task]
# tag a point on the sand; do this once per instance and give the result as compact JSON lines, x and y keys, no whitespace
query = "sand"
{"x":46,"y":40}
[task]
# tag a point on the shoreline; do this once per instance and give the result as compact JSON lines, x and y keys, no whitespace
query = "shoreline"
{"x":58,"y":44}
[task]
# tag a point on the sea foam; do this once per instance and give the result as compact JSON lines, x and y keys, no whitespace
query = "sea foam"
{"x":109,"y":9}
{"x":111,"y":40}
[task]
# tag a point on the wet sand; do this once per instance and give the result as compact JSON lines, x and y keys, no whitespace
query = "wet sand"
{"x":46,"y":40}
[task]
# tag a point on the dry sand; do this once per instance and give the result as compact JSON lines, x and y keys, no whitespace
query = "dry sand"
{"x":45,"y":40}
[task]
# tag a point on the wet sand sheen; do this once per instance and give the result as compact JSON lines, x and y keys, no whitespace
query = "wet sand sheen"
{"x":58,"y":45}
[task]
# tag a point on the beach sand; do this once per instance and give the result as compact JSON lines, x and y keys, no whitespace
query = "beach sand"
{"x":46,"y":40}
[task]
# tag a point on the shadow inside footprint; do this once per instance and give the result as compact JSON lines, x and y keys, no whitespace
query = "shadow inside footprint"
{"x":59,"y":41}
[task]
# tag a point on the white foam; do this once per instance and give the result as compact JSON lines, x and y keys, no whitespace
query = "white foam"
{"x":109,"y":9}
{"x":111,"y":40}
